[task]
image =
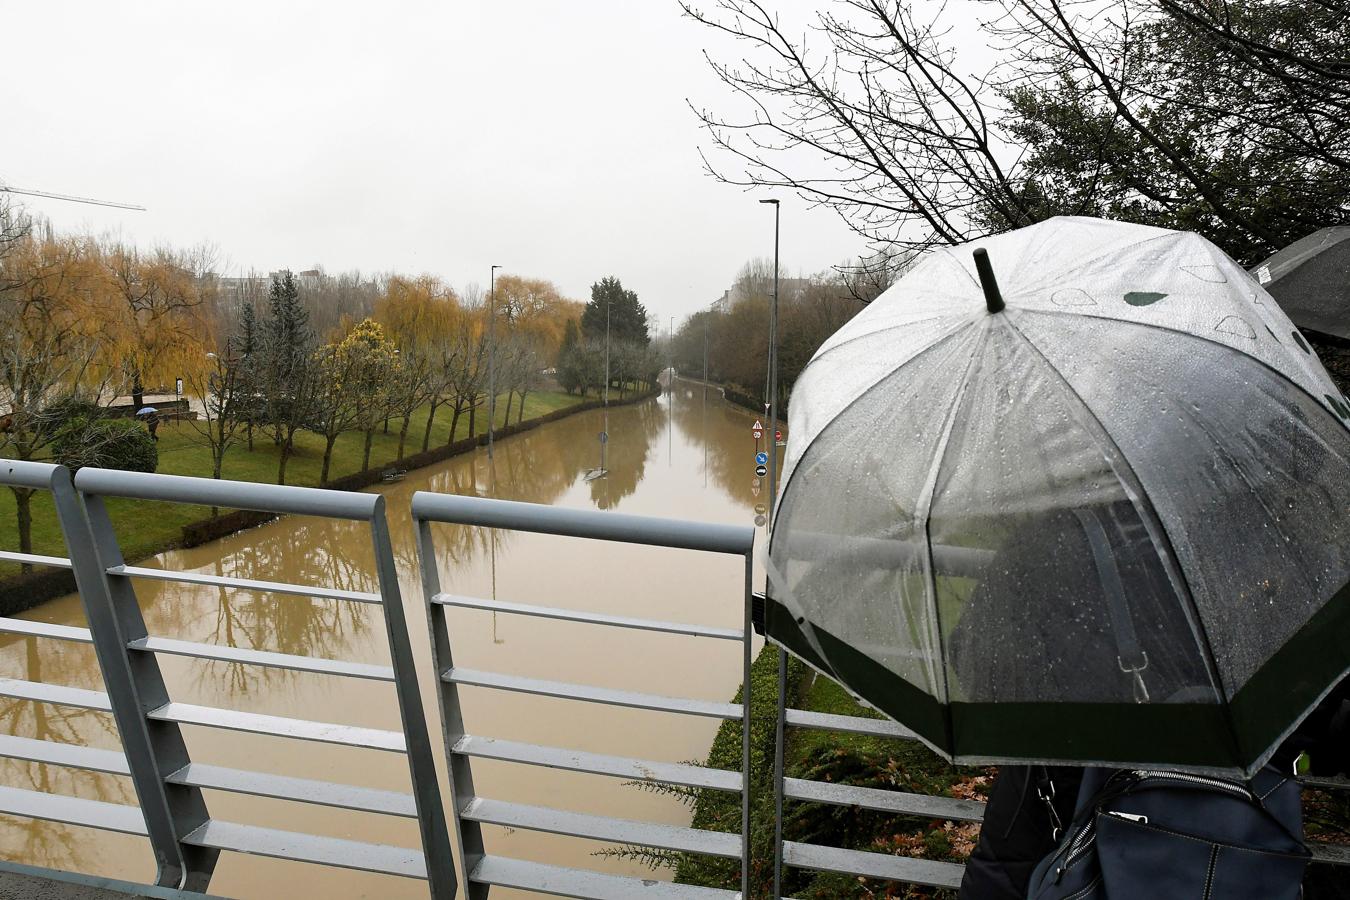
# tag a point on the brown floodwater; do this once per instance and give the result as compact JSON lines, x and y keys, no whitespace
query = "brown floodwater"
{"x":682,"y":455}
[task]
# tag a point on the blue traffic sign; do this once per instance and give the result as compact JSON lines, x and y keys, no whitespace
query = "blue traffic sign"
{"x":761,"y":458}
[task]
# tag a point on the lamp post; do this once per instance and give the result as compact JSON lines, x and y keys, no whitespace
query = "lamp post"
{"x":492,"y":355}
{"x":773,"y":367}
{"x":782,"y":654}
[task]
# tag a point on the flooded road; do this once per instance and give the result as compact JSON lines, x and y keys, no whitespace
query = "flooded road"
{"x":677,"y":456}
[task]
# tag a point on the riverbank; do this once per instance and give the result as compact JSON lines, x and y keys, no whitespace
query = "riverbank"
{"x":825,"y":756}
{"x":146,"y":529}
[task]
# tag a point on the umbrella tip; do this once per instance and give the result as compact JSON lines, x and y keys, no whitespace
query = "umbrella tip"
{"x":992,"y":298}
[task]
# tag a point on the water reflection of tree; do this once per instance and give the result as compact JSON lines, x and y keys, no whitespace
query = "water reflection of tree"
{"x":49,"y":843}
{"x":716,"y":427}
{"x":539,"y":466}
{"x":632,"y":433}
{"x":301,"y":551}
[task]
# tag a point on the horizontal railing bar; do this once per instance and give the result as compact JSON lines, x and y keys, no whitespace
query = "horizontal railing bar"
{"x":72,"y":756}
{"x":565,"y":882}
{"x":582,"y":523}
{"x":885,"y":553}
{"x":45,"y":630}
{"x":590,"y":694}
{"x":311,"y":848}
{"x":279,"y":726}
{"x":924,"y":805}
{"x":277,"y":498}
{"x":598,"y":764}
{"x":1325,"y":783}
{"x":244,"y":584}
{"x":569,"y":615}
{"x":304,"y":790}
{"x":1330,"y":854}
{"x":72,"y":810}
{"x":802,"y":718}
{"x":264,"y":658}
{"x":58,"y":694}
{"x":601,"y":828}
{"x":22,"y":473}
{"x":872,"y":865}
{"x":36,"y":559}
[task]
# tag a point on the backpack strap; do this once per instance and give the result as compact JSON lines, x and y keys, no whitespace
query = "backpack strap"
{"x":1130,"y":655}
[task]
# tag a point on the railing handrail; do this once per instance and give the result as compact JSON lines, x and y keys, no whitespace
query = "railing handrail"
{"x":251,"y":495}
{"x":514,"y":515}
{"x":22,"y":473}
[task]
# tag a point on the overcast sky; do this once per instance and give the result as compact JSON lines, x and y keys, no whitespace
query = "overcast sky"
{"x":552,"y":138}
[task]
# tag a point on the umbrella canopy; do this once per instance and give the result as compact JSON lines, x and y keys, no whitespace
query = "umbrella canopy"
{"x":1104,"y":525}
{"x":1311,"y":281}
{"x":146,"y":410}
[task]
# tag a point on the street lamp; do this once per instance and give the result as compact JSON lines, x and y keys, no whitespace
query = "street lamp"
{"x":773,"y":365}
{"x":492,"y":354}
{"x":782,"y":655}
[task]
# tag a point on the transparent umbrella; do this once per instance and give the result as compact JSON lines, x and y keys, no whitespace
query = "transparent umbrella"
{"x":1310,"y":279}
{"x":1104,"y":524}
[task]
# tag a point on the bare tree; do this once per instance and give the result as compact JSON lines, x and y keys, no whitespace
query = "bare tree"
{"x":881,"y":125}
{"x":1224,"y":117}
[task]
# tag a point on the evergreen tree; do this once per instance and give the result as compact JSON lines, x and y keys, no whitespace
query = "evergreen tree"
{"x":245,"y":347}
{"x":288,"y":347}
{"x":627,"y":317}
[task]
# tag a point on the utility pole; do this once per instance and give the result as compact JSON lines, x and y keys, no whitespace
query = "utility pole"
{"x":604,"y":435}
{"x":492,"y":356}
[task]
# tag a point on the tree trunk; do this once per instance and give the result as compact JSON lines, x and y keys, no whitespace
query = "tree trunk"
{"x":386,"y":425}
{"x":403,"y":433}
{"x":365,"y":456}
{"x":249,"y":430}
{"x":520,"y":416}
{"x":507,"y":420}
{"x":328,"y":442}
{"x":473,"y":412}
{"x":431,"y":417}
{"x":454,"y":424}
{"x":137,"y":392}
{"x":285,"y":458}
{"x":23,"y":509}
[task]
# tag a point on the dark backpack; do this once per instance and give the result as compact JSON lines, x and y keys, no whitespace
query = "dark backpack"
{"x":1155,"y":835}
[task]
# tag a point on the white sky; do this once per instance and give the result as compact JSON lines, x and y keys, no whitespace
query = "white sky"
{"x":550,"y":137}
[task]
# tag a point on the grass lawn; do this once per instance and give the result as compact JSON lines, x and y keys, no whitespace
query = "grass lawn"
{"x":145,"y":527}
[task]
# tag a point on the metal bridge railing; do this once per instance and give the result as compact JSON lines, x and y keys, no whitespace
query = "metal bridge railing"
{"x":173,"y":815}
{"x":154,"y":818}
{"x":169,"y":783}
{"x":471,"y":812}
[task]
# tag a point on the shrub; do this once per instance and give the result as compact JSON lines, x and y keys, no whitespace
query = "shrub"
{"x":105,"y":442}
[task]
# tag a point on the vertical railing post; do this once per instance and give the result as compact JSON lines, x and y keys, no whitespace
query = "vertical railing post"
{"x":469,"y":834}
{"x":745,"y":725}
{"x":154,"y":749}
{"x":780,"y":722}
{"x":421,"y":758}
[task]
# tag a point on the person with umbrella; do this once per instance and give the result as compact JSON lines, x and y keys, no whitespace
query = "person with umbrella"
{"x":1087,"y":512}
{"x":151,"y":417}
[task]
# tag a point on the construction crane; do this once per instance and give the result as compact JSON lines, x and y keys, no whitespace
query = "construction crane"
{"x":11,"y":189}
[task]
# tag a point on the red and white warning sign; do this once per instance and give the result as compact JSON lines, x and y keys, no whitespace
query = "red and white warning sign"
{"x":757,"y":429}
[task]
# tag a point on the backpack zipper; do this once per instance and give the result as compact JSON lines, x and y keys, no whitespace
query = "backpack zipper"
{"x":1077,"y":847}
{"x":1198,"y":780}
